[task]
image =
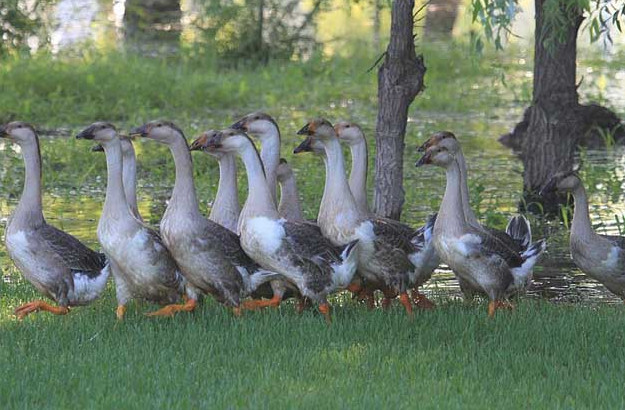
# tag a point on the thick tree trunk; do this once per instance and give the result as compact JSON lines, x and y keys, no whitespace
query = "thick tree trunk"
{"x":556,"y":123}
{"x":440,"y":18}
{"x":400,"y":79}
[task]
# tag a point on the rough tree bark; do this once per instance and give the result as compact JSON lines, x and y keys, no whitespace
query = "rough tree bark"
{"x":555,"y":124}
{"x":400,"y":79}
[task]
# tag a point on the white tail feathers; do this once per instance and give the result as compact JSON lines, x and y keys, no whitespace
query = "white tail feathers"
{"x":519,"y":229}
{"x":253,"y":281}
{"x":343,"y":272}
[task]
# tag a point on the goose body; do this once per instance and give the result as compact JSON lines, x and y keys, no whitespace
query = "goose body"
{"x":517,"y":237}
{"x":601,"y":257}
{"x":289,"y":207}
{"x":296,"y":250}
{"x":476,"y":257}
{"x":386,"y":255}
{"x":143,"y":267}
{"x":57,"y":264}
{"x":209,"y":255}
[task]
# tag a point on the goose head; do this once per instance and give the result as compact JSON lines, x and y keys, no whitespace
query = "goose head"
{"x":310,"y":144}
{"x":437,"y":155}
{"x":258,"y":124}
{"x":562,"y":182}
{"x":165,"y":132}
{"x":285,"y":172}
{"x":18,"y":132}
{"x":228,"y":140}
{"x":101,"y":132}
{"x":319,"y":128}
{"x":201,"y":144}
{"x":349,"y":133}
{"x":441,"y":138}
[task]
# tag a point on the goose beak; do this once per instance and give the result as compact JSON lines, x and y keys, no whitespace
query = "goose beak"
{"x":306,"y":130}
{"x":424,"y":146}
{"x":3,"y":131}
{"x":305,"y":146}
{"x":97,"y":148}
{"x":214,"y":142}
{"x":240,"y":125}
{"x":141,"y":131}
{"x":549,"y":187}
{"x":425,"y":159}
{"x":86,"y":134}
{"x":199,"y":143}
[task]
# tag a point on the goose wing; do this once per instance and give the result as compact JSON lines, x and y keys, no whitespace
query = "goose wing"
{"x":74,"y":253}
{"x":616,"y":240}
{"x":482,"y":243}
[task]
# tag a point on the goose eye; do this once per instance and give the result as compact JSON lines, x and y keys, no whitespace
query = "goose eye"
{"x":257,"y":118}
{"x":347,"y":126}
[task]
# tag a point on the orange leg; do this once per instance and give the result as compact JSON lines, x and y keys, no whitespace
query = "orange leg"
{"x":170,"y":310}
{"x":237,"y":311}
{"x":302,"y":304}
{"x":120,"y":312}
{"x":355,"y":287}
{"x":421,"y":301}
{"x":405,"y":301}
{"x":37,"y":305}
{"x":493,"y":305}
{"x":324,"y":308}
{"x":260,"y":304}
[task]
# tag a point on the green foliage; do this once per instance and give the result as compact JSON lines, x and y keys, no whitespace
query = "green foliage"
{"x":18,"y":21}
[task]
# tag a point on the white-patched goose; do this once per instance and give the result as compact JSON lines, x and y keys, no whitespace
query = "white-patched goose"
{"x":475,"y":256}
{"x":602,"y":257}
{"x":54,"y":262}
{"x":144,"y":268}
{"x":208,"y":254}
{"x":294,"y":249}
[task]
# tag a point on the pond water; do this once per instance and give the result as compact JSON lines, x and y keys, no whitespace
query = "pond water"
{"x":74,"y":178}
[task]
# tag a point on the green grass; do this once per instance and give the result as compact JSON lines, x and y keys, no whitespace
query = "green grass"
{"x":540,"y":355}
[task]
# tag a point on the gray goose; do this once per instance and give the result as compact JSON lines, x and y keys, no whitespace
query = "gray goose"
{"x":209,"y":255}
{"x":294,"y":249}
{"x":56,"y":263}
{"x":602,"y":257}
{"x":476,"y":256}
{"x":518,"y":234}
{"x":387,"y":258}
{"x":352,"y":135}
{"x":143,"y":267}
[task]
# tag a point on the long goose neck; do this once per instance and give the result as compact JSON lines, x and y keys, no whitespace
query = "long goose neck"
{"x":358,"y":174}
{"x":289,"y":207}
{"x":183,"y":197}
{"x":115,"y":203}
{"x":337,"y":197}
{"x":29,"y":210}
{"x":259,"y":201}
{"x":270,"y":155}
{"x":581,"y":226}
{"x":226,"y":204}
{"x":129,"y":176}
{"x":469,"y":216}
{"x":451,"y":215}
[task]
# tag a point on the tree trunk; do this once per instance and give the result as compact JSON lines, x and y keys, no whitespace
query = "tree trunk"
{"x":440,"y":18}
{"x":400,"y":79}
{"x":555,"y":124}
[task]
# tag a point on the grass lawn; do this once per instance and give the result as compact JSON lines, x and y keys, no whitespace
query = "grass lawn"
{"x":540,"y":355}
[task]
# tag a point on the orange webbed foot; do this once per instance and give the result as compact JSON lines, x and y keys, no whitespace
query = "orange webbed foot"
{"x":421,"y":301}
{"x":37,"y":305}
{"x":170,"y":310}
{"x":261,"y":304}
{"x":120,"y":312}
{"x":494,"y":305}
{"x":325,"y":310}
{"x":405,"y":301}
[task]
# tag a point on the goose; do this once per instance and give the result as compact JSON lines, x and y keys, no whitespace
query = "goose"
{"x":602,"y":257}
{"x":294,"y":249}
{"x":387,"y":259}
{"x":57,"y":264}
{"x":209,"y":255}
{"x":518,"y":234}
{"x":289,"y":207}
{"x":262,"y":126}
{"x":129,"y":172}
{"x":225,"y":209}
{"x":351,"y":134}
{"x":144,"y":268}
{"x":477,"y":257}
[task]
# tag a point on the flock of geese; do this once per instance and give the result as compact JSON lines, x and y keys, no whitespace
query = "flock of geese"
{"x":258,"y":255}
